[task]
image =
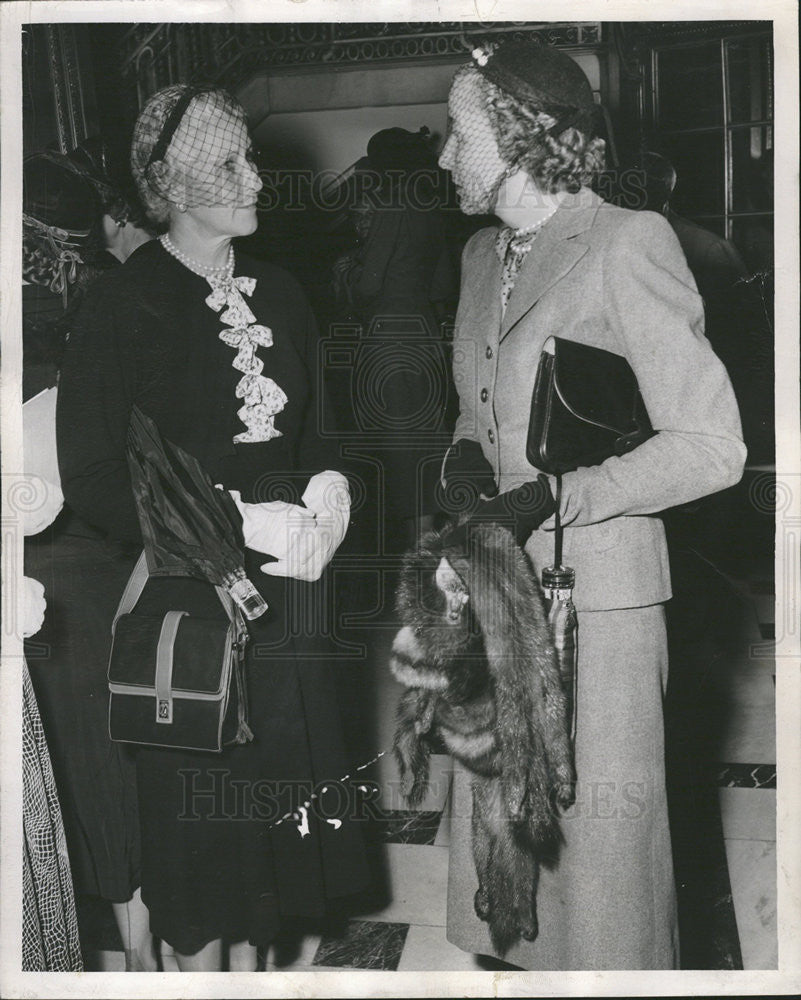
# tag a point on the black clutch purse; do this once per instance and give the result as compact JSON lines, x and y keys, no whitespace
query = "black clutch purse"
{"x":586,"y":407}
{"x":178,"y":680}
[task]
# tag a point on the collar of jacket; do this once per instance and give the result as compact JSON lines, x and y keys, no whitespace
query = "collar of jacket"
{"x":557,"y":249}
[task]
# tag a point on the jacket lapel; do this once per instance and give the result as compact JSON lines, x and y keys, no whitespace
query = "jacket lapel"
{"x":556,"y":250}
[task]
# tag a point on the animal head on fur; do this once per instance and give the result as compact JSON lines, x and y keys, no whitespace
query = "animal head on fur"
{"x":474,"y":625}
{"x":440,"y":634}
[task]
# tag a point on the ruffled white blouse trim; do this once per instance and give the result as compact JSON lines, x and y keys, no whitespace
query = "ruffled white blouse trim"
{"x":262,"y":398}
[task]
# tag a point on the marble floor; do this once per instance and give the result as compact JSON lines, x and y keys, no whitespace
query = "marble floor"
{"x":722,"y":789}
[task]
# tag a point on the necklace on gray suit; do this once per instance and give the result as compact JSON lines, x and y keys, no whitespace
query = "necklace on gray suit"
{"x":512,"y":245}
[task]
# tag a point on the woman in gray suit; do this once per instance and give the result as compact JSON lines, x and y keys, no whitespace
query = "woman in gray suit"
{"x":566,"y":263}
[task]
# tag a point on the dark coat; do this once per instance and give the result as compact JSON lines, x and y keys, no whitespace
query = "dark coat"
{"x":146,"y":336}
{"x":83,"y":573}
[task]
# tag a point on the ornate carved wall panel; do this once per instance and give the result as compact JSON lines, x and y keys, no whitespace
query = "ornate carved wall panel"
{"x":58,"y":97}
{"x":154,"y":56}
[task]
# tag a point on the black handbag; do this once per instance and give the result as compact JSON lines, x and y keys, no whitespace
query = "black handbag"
{"x":177,"y":680}
{"x":585,"y":408}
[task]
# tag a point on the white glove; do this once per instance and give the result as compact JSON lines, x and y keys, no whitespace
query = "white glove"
{"x":275,"y":528}
{"x":45,"y":508}
{"x":328,"y":496}
{"x":302,"y":539}
{"x":34,"y":605}
{"x":43,"y":499}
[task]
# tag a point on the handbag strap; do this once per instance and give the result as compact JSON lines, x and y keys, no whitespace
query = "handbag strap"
{"x":136,"y":584}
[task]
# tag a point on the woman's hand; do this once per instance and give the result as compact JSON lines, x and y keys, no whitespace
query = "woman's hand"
{"x":38,"y":516}
{"x":34,"y":606}
{"x":328,"y":497}
{"x":570,"y":507}
{"x":286,"y":531}
{"x":467,"y":476}
{"x":522,"y":510}
{"x":303,"y":540}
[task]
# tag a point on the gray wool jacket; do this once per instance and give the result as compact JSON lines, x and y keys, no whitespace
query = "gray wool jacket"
{"x":618,"y":280}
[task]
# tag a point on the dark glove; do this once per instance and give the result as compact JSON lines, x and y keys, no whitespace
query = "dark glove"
{"x":467,"y":475}
{"x":521,"y":510}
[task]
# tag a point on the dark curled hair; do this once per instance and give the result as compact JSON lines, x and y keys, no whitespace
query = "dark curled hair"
{"x":555,"y":163}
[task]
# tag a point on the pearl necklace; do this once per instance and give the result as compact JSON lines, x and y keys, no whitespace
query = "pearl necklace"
{"x":535,"y":228}
{"x":203,"y":270}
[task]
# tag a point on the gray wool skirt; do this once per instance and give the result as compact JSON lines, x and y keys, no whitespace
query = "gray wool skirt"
{"x":609,"y":902}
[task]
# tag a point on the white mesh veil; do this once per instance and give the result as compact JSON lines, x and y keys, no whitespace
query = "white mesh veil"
{"x":471,"y":152}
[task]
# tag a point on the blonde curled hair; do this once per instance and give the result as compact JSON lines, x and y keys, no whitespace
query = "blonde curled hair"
{"x":562,"y":162}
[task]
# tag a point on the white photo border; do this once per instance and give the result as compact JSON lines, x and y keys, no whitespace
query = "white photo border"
{"x":787,"y":979}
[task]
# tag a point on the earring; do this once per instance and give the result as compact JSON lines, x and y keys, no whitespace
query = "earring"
{"x":181,"y":207}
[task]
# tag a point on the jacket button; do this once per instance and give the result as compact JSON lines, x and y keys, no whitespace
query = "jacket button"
{"x":491,"y":436}
{"x":488,"y":351}
{"x":484,"y":395}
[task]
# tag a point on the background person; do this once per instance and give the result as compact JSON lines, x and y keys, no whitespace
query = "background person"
{"x":49,"y":923}
{"x":735,"y":319}
{"x":122,"y":225}
{"x":80,"y":218}
{"x":83,"y":573}
{"x":398,"y":285}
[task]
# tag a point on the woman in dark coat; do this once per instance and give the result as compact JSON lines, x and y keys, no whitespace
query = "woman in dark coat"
{"x":215,"y":867}
{"x":567,"y":264}
{"x":66,"y":212}
{"x":63,"y":210}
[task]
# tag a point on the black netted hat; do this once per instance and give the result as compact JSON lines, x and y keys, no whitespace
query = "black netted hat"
{"x":545,"y":78}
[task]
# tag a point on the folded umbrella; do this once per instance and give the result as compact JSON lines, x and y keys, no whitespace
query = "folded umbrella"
{"x":189,"y":527}
{"x":558,"y":582}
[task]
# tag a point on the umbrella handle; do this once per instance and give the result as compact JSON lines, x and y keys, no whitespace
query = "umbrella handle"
{"x":557,"y":535}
